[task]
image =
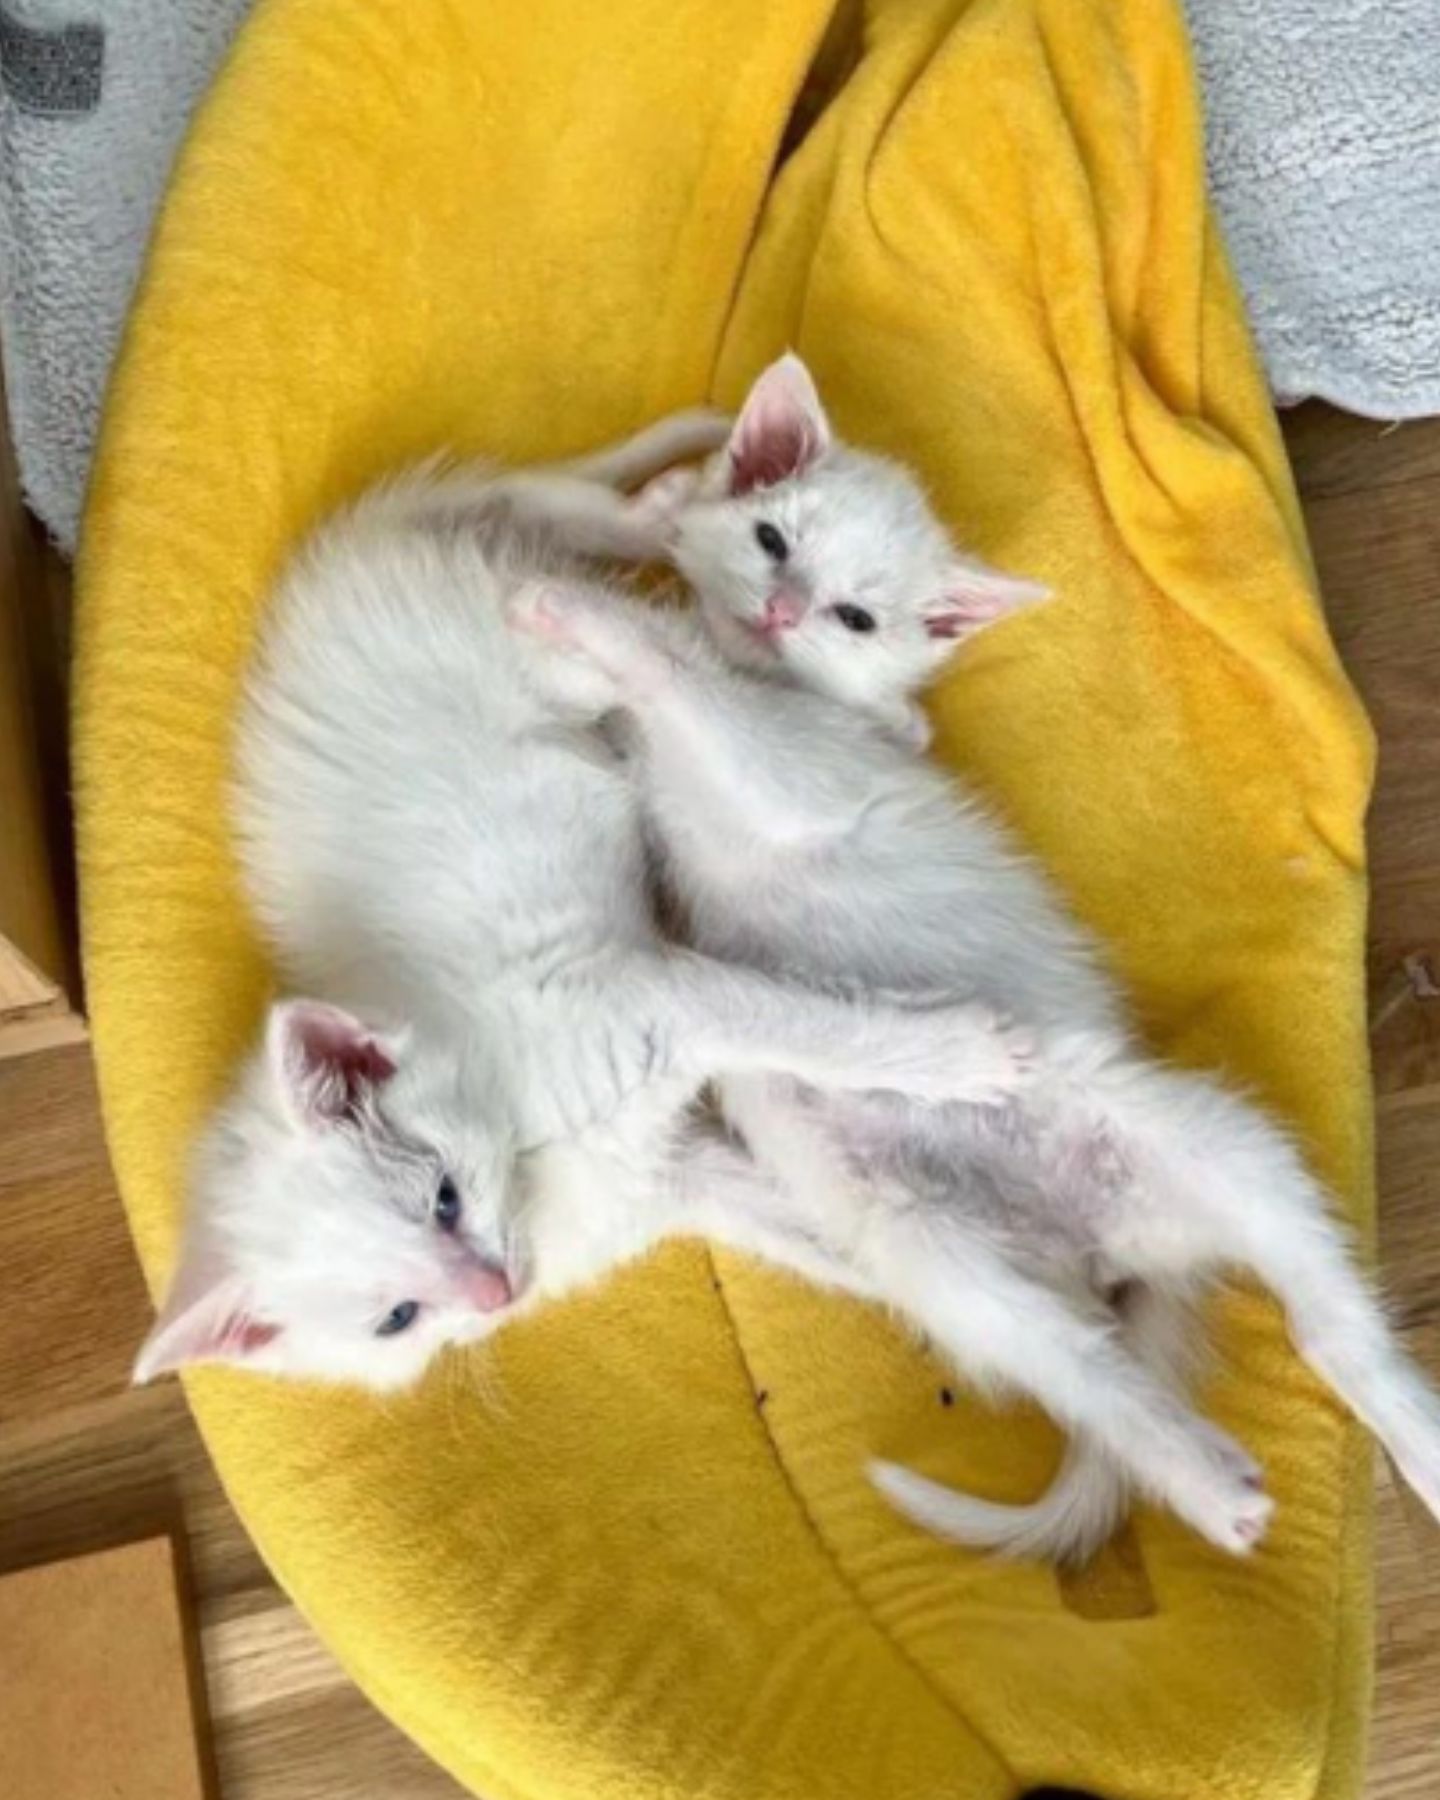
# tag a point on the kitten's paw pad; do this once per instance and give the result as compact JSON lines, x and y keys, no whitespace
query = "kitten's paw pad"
{"x":1231,"y":1456}
{"x":1010,"y":1060}
{"x":659,"y":503}
{"x":609,"y":641}
{"x":1244,"y":1523}
{"x":982,"y":1059}
{"x":1229,"y":1505}
{"x":543,"y":610}
{"x":1023,"y":1044}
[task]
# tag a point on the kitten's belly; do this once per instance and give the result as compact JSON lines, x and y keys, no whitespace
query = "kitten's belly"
{"x":1041,"y":1166}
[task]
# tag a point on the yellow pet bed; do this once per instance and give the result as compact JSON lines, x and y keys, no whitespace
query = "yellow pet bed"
{"x":631,"y":1554}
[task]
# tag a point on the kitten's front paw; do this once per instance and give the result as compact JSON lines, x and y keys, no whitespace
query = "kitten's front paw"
{"x":658,"y":505}
{"x":1006,"y":1057}
{"x":540,"y":609}
{"x":575,"y":623}
{"x":980,"y":1056}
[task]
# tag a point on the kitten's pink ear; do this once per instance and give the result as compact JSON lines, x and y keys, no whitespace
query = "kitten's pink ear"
{"x":325,"y":1059}
{"x":205,"y":1318}
{"x":976,"y":596}
{"x":782,"y":429}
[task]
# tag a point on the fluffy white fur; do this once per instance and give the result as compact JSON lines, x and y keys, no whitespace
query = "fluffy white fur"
{"x":481,"y":1099}
{"x":1051,"y":1246}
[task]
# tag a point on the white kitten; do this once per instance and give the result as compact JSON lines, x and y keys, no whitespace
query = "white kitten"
{"x":483,"y":1103}
{"x":789,"y":572}
{"x":803,"y":843}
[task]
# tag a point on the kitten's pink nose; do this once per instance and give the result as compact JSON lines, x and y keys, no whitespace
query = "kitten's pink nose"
{"x":486,"y":1289}
{"x":783,"y":612}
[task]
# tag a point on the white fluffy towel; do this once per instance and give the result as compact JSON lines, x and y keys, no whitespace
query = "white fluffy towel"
{"x":94,"y":98}
{"x":1324,"y":127}
{"x":1323,"y":120}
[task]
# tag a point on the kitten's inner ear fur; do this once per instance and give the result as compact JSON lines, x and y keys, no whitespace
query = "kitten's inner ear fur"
{"x":325,"y":1060}
{"x":782,"y":429}
{"x":976,"y":596}
{"x":206,"y":1317}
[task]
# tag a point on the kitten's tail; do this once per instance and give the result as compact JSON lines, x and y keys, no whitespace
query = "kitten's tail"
{"x":1081,"y":1508}
{"x":680,"y":438}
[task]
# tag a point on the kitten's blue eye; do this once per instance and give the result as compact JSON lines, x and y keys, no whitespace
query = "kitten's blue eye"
{"x":447,"y":1204}
{"x":772,"y":541}
{"x":399,"y":1318}
{"x":854,"y":618}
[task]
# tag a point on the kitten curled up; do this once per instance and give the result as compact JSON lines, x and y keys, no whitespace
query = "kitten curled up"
{"x":1051,"y":1246}
{"x":476,"y":1094}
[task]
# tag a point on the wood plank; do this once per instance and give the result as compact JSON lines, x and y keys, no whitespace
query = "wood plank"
{"x":329,"y":1747}
{"x":1405,"y":1729}
{"x":50,"y":1124}
{"x":1408,"y":1134}
{"x":67,"y":1250}
{"x":101,"y":1687}
{"x":1336,"y":453}
{"x":33,"y":780}
{"x":1379,"y":561}
{"x":1372,"y":501}
{"x":47,"y":1028}
{"x":22,"y":987}
{"x":29,"y":917}
{"x":130,"y":1466}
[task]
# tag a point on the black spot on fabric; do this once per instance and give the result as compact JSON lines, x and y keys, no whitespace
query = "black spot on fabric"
{"x":1054,"y":1793}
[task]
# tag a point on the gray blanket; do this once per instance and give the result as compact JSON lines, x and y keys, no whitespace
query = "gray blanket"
{"x":1324,"y":139}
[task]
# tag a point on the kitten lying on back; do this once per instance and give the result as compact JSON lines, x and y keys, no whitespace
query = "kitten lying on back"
{"x":803,"y":842}
{"x":480,"y":1101}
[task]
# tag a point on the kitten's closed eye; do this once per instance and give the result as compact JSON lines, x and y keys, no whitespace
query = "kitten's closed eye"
{"x":854,"y":618}
{"x":447,"y":1204}
{"x":399,"y":1318}
{"x":772,"y":541}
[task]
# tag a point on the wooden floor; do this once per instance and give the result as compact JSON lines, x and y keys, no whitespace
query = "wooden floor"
{"x":84,"y":1462}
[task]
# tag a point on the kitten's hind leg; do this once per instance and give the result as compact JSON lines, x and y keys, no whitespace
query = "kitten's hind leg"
{"x":1091,"y":1491}
{"x":1010,"y":1330}
{"x":1004,"y":1328}
{"x":1340,"y":1329}
{"x":1230,"y":1189}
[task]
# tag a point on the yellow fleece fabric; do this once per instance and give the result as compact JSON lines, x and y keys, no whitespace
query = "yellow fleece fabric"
{"x":630,"y":1553}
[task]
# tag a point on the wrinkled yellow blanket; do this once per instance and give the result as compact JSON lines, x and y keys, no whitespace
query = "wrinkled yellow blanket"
{"x":634,"y":1557}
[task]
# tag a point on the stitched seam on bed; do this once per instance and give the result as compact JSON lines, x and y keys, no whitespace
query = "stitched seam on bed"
{"x":830,"y":1556}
